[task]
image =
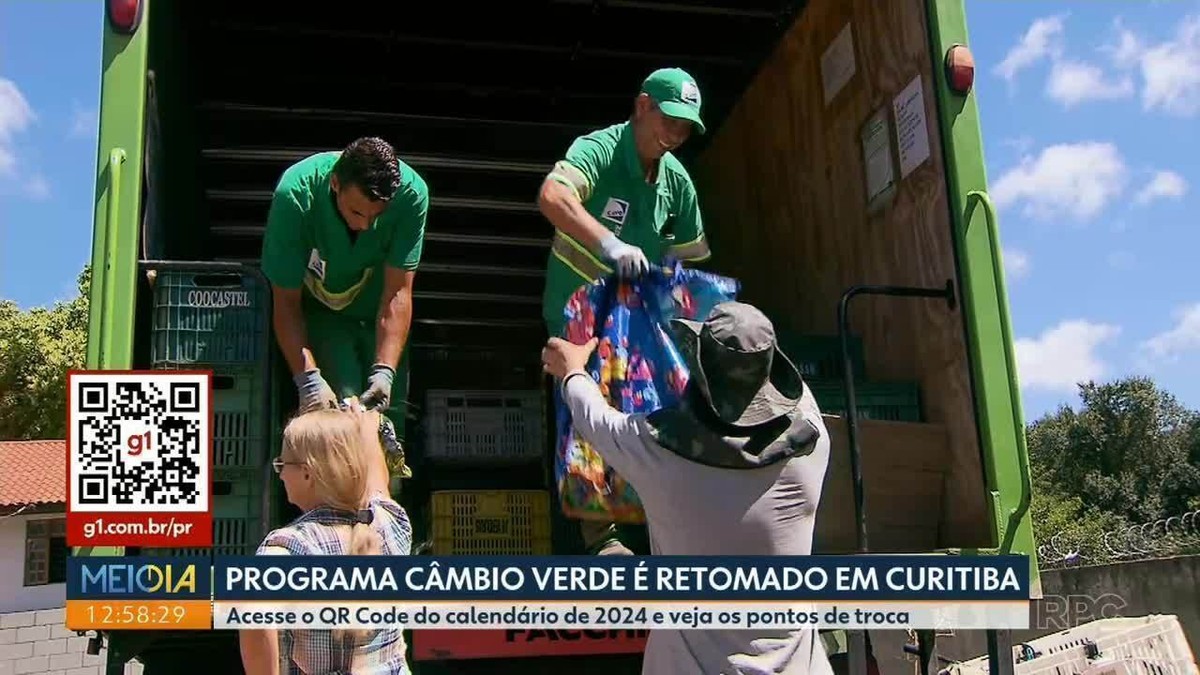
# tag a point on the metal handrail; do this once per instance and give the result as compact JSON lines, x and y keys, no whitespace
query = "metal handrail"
{"x":858,"y":638}
{"x":947,"y":293}
{"x":976,"y":197}
{"x":116,"y":158}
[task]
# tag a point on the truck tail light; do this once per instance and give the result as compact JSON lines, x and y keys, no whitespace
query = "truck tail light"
{"x":124,"y":15}
{"x":960,"y":69}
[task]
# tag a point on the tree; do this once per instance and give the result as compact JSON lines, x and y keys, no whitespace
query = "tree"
{"x":1132,"y":450}
{"x":37,"y":348}
{"x":1067,"y":531}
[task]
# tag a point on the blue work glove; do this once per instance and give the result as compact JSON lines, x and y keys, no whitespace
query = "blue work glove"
{"x":379,"y":388}
{"x":315,"y":393}
{"x":629,"y":260}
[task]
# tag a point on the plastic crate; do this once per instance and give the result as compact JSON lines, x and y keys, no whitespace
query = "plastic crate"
{"x":820,"y":356}
{"x":893,"y":401}
{"x":239,"y":429}
{"x":238,"y":498}
{"x":491,"y":522}
{"x":208,"y":318}
{"x":484,"y":426}
{"x":1146,"y":645}
{"x":237,"y":520}
{"x":231,"y":536}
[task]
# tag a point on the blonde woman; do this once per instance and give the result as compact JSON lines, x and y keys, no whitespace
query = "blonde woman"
{"x":333,"y":468}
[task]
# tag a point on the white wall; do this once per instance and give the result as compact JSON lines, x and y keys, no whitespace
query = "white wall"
{"x":15,"y":596}
{"x":38,"y":643}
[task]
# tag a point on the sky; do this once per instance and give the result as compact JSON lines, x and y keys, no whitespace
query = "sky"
{"x":1089,"y":114}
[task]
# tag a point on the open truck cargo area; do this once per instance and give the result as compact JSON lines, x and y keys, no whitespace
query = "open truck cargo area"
{"x":837,"y":157}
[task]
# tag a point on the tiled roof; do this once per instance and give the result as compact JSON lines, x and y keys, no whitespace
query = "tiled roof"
{"x":33,"y":472}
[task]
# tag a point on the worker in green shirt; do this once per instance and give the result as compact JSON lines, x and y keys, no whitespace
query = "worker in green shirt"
{"x":343,"y":240}
{"x":618,"y":200}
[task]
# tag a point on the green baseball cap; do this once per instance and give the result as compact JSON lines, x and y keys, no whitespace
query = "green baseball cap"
{"x":676,"y":93}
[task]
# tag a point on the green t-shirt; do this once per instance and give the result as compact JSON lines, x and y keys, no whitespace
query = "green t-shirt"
{"x":307,"y":244}
{"x":662,"y":218}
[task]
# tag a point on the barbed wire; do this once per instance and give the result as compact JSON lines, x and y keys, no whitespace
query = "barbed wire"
{"x":1166,"y":536}
{"x":1176,"y":535}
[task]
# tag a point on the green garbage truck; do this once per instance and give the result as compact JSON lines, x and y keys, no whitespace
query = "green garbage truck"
{"x":841,"y":181}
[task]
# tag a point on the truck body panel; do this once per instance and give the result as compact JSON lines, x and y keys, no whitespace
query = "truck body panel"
{"x":790,"y":217}
{"x":989,"y":334}
{"x":206,"y":103}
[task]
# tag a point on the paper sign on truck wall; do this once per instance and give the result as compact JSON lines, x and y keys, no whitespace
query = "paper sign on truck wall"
{"x":912,"y":133}
{"x":837,"y":63}
{"x":876,"y":142}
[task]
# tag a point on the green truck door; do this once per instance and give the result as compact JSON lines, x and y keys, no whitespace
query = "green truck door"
{"x":984,"y":297}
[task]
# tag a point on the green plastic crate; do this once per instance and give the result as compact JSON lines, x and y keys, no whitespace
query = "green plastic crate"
{"x":237,"y":520}
{"x":240,"y":437}
{"x":231,"y":536}
{"x":208,"y":318}
{"x":240,"y":462}
{"x":894,"y":401}
{"x":240,"y":498}
{"x":239,"y":430}
{"x":820,"y":356}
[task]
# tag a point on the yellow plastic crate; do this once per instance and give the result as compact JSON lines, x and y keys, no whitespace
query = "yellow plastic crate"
{"x":491,"y":522}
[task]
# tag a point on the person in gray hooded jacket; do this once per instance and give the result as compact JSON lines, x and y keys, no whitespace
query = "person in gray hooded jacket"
{"x":736,"y":468}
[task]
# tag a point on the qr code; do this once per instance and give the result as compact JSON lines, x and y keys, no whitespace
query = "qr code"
{"x":139,"y":442}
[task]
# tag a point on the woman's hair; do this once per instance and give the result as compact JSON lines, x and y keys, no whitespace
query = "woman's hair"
{"x":334,"y":446}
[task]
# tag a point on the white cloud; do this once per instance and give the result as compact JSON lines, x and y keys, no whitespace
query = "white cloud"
{"x":37,"y":188}
{"x":1184,"y":336}
{"x":15,"y":113}
{"x":1076,"y":180}
{"x":83,"y":124}
{"x":1016,"y":263}
{"x":1074,"y":82}
{"x":1164,"y":185}
{"x":1038,"y":42}
{"x":1170,"y":70}
{"x":1063,"y":355}
{"x":15,"y":116}
{"x":1127,"y":51}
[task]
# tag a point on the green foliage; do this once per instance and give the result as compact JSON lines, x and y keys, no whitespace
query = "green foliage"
{"x":37,"y":348}
{"x":1129,"y":455}
{"x":1068,"y":530}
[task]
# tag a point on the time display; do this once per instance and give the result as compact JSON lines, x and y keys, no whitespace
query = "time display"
{"x":139,"y":614}
{"x":110,"y":614}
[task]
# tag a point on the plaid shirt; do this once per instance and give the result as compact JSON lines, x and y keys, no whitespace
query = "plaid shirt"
{"x":314,"y":652}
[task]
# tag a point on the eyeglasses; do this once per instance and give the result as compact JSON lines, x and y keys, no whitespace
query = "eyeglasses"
{"x":278,"y":464}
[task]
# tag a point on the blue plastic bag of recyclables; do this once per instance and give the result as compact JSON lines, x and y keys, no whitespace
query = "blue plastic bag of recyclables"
{"x":638,"y":368}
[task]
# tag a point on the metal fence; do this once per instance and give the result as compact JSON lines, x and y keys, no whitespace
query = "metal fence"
{"x":1162,"y":538}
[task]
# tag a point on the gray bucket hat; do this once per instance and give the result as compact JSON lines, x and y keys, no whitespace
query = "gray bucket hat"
{"x":737,"y":366}
{"x":743,"y":409}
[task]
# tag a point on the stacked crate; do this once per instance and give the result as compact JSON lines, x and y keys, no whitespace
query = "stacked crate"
{"x":215,"y":317}
{"x":487,"y":431}
{"x":820,"y":361}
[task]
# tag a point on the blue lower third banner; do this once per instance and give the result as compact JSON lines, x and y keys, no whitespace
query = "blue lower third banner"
{"x":621,"y":592}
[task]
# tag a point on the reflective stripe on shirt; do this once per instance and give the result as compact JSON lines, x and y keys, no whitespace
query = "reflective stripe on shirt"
{"x":336,"y":301}
{"x":575,"y":256}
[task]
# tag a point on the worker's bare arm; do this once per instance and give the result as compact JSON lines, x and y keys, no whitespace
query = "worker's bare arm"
{"x":561,"y":206}
{"x":395,"y":315}
{"x":291,"y":333}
